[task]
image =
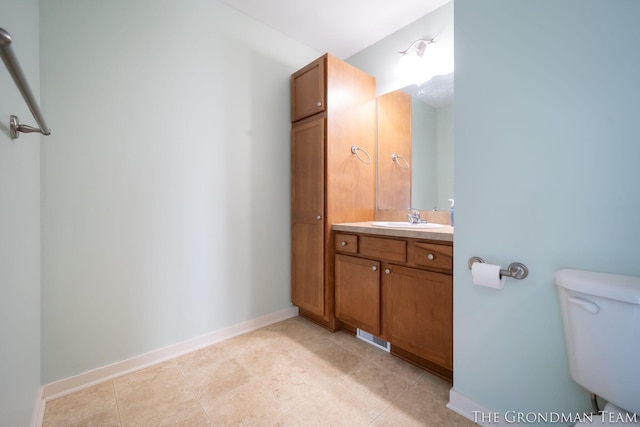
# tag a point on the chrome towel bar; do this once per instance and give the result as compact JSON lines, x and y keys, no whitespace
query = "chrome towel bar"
{"x":11,"y":62}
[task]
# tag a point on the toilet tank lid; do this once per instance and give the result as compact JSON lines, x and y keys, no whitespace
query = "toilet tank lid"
{"x":613,"y":286}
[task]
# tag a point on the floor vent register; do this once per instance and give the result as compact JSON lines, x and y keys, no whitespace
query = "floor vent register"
{"x":373,"y":340}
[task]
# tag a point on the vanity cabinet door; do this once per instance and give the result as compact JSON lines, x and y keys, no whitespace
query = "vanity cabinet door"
{"x":308,"y":94}
{"x":357,"y":292}
{"x":418,"y":312}
{"x":308,"y":216}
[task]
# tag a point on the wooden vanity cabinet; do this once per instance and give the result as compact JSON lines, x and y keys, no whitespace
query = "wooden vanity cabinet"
{"x":403,"y":295}
{"x":332,"y":109}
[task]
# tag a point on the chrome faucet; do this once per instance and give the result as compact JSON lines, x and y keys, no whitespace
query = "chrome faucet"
{"x":414,"y":217}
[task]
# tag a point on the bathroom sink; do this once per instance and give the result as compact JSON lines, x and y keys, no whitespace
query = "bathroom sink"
{"x":404,"y":224}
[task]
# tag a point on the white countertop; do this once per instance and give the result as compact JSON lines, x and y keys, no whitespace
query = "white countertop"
{"x":443,"y":234}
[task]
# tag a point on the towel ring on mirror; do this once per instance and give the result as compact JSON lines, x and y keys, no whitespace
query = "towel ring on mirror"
{"x":355,"y":150}
{"x":396,"y":158}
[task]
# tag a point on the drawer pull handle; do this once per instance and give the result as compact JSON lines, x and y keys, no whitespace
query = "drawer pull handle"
{"x":319,"y":217}
{"x":387,"y":271}
{"x":431,"y":257}
{"x":318,"y":104}
{"x":343,"y":243}
{"x":374,"y":268}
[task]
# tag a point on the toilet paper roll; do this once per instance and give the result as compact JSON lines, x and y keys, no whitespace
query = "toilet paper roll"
{"x":487,"y":275}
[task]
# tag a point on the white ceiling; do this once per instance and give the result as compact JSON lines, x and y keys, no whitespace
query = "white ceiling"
{"x":341,"y":27}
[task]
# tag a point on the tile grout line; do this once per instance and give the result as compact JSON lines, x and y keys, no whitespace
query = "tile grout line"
{"x":415,"y":383}
{"x":289,"y":410}
{"x":115,"y":393}
{"x":193,"y":392}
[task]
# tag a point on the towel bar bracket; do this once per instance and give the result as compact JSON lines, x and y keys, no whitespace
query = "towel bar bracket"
{"x":13,"y":67}
{"x":15,"y":128}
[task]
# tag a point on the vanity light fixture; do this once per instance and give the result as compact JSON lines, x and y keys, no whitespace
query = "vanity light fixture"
{"x":418,"y":64}
{"x":420,"y":46}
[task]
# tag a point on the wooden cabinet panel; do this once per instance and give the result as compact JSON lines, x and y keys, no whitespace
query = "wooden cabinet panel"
{"x":434,"y":257}
{"x":307,"y":291}
{"x":350,"y":121}
{"x":394,"y":137}
{"x":346,"y":243}
{"x":357,"y":292}
{"x":307,"y":168}
{"x":308,"y":94}
{"x":387,"y":249}
{"x":418,"y":312}
{"x":307,"y":196}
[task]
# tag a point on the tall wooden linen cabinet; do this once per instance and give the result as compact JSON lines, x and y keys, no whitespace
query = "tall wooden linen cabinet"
{"x":333,"y":164}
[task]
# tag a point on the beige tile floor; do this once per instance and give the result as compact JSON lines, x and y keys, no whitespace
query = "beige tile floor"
{"x":292,"y":373}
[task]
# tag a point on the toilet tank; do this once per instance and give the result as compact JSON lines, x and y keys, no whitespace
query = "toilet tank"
{"x":601,"y":316}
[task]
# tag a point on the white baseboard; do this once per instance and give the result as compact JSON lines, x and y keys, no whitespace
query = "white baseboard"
{"x":475,"y":412}
{"x":38,"y":410}
{"x":87,"y":379}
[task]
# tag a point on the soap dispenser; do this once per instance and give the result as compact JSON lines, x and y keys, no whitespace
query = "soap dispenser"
{"x":451,"y":211}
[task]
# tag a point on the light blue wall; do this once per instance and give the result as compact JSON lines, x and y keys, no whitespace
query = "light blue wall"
{"x":424,"y":144}
{"x":432,"y":155}
{"x":19,"y":226}
{"x":444,"y":133}
{"x":546,"y":172}
{"x":166,"y":183}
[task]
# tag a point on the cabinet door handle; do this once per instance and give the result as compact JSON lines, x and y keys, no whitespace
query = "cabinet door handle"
{"x":387,"y":271}
{"x":374,"y":268}
{"x":430,"y":257}
{"x":343,"y":243}
{"x":319,"y":217}
{"x":318,"y":104}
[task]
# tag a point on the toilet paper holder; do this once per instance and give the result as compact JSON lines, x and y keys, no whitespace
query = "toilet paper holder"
{"x":516,"y":270}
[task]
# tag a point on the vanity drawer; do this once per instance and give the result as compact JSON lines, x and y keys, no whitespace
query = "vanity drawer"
{"x":346,"y":243}
{"x":432,"y":256}
{"x":388,"y":249}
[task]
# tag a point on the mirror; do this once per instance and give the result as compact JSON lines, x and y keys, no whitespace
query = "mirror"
{"x":429,"y":181}
{"x":415,"y":146}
